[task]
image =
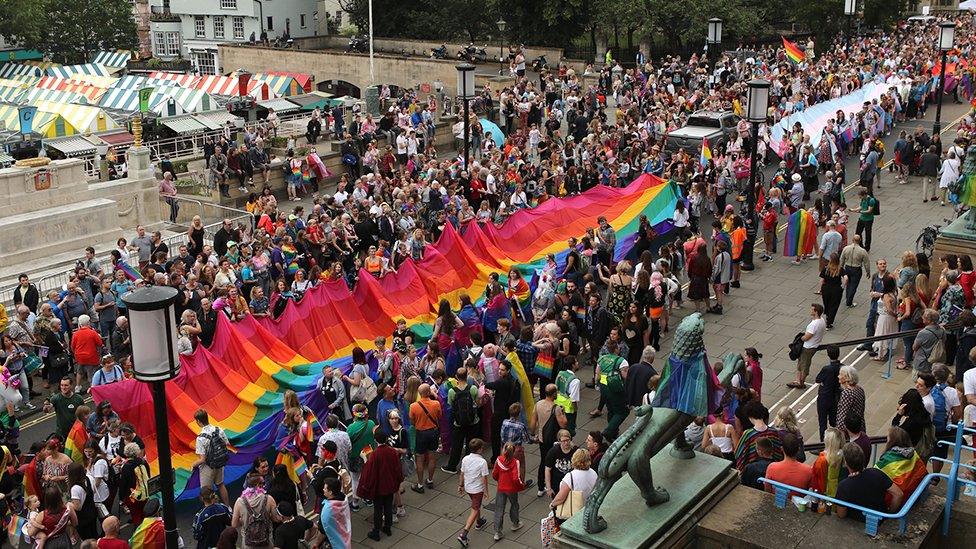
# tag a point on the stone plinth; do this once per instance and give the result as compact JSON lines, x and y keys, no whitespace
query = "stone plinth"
{"x":694,"y":485}
{"x":750,"y":518}
{"x":72,"y":226}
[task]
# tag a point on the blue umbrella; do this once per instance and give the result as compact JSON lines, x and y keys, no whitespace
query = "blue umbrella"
{"x":492,"y":129}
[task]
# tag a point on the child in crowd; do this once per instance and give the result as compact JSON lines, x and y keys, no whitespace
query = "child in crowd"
{"x":473,"y":481}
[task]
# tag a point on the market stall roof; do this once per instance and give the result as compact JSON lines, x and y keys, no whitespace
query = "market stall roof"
{"x":11,"y":94}
{"x":184,"y":125}
{"x":304,"y":80}
{"x":5,"y":160}
{"x":11,"y":70}
{"x":312,"y":100}
{"x":225,"y":85}
{"x":117,"y":59}
{"x":280,"y":105}
{"x":135,"y":82}
{"x":126,"y":100}
{"x":185,"y":100}
{"x":176,"y":78}
{"x":94,"y":80}
{"x":84,"y":118}
{"x":281,"y":85}
{"x":36,"y":95}
{"x":46,"y":124}
{"x":87,"y":68}
{"x":216,"y":119}
{"x":71,"y":146}
{"x":90,"y":92}
{"x":114,"y":138}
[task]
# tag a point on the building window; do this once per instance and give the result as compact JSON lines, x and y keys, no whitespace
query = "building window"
{"x":238,"y":28}
{"x":218,"y":26}
{"x":270,"y":24}
{"x":199,"y":26}
{"x":166,"y":44}
{"x":228,"y":4}
{"x":301,"y":20}
{"x":205,"y":62}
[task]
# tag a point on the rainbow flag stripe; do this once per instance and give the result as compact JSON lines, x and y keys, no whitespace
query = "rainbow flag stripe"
{"x":74,"y":443}
{"x":15,"y":528}
{"x":801,"y":234}
{"x":130,"y":273}
{"x":543,"y":364}
{"x":706,"y":154}
{"x":150,"y":534}
{"x":241,"y":378}
{"x":793,"y":51}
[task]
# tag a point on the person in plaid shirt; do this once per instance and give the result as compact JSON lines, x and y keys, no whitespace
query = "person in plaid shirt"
{"x":514,"y":431}
{"x":526,"y":352}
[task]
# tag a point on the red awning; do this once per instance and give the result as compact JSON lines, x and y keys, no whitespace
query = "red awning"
{"x":117,"y":138}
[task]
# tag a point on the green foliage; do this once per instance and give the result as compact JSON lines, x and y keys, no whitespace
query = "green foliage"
{"x":68,"y":31}
{"x":180,"y":166}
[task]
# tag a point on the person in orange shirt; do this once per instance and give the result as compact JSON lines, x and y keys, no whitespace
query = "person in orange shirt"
{"x":790,"y":471}
{"x":425,"y":415}
{"x":738,"y":238}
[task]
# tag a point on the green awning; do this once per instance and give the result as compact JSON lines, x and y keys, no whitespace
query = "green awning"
{"x":184,"y":125}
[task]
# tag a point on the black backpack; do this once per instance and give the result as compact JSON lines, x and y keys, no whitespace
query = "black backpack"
{"x":216,"y":455}
{"x":463,"y":407}
{"x":876,"y":207}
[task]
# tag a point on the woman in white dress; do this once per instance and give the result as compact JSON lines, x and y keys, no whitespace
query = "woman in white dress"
{"x":887,"y":319}
{"x":950,"y":173}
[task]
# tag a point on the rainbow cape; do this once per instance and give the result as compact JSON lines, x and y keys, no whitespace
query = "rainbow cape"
{"x":74,"y":443}
{"x":793,"y":51}
{"x":903,"y":467}
{"x":801,"y":234}
{"x":241,"y":376}
{"x":15,"y":528}
{"x":150,"y":534}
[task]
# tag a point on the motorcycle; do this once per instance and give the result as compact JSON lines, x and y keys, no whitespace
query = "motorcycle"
{"x":357,"y":44}
{"x":540,"y":63}
{"x":439,"y":53}
{"x":473,"y":54}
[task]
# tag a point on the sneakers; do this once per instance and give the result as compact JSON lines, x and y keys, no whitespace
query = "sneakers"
{"x":396,"y":519}
{"x":419,"y":488}
{"x":375,"y":535}
{"x":30,"y":405}
{"x":498,"y":537}
{"x":540,"y":493}
{"x":355,"y":507}
{"x":430,"y":483}
{"x":529,"y":483}
{"x":463,"y":540}
{"x":446,"y":470}
{"x":481,"y":522}
{"x":401,"y":511}
{"x":516,"y":526}
{"x":735,"y":284}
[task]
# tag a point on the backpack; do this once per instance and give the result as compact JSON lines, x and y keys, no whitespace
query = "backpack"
{"x":876,"y":206}
{"x":941,"y":417}
{"x":257,"y":529}
{"x":463,"y":407}
{"x":216,"y":455}
{"x":113,"y":475}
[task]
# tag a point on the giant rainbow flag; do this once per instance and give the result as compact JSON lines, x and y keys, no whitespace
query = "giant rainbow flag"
{"x":241,"y":378}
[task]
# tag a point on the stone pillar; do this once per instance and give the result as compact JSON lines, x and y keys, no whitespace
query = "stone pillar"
{"x":140,"y":166}
{"x":601,"y":48}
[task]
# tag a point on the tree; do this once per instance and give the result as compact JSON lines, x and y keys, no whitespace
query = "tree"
{"x":69,"y":31}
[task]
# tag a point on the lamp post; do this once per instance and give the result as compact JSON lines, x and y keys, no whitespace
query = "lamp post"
{"x":757,"y":103}
{"x":947,"y":36}
{"x":850,"y":9}
{"x":501,"y":43}
{"x":714,"y":41}
{"x":465,"y":90}
{"x":155,"y":360}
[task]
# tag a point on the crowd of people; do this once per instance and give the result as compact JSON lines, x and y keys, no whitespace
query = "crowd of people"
{"x":502,"y":370}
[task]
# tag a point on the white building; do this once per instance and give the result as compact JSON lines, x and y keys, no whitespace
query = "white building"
{"x":193,"y":29}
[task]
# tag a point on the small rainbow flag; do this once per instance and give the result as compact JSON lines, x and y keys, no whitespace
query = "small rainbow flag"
{"x":801,"y":234}
{"x":74,"y":443}
{"x":543,"y":364}
{"x":706,"y":154}
{"x":793,"y":51}
{"x":14,"y":529}
{"x":149,"y":535}
{"x":130,"y":273}
{"x":296,"y":465}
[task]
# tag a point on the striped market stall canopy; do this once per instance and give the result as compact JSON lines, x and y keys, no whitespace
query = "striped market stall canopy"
{"x":87,"y":68}
{"x":133,"y":82}
{"x":12,"y":70}
{"x":281,"y":85}
{"x":117,"y":59}
{"x":185,"y":100}
{"x":46,"y":124}
{"x":12,"y":94}
{"x":38,"y":95}
{"x":20,"y":80}
{"x":122,"y":99}
{"x":304,"y":80}
{"x":95,"y":80}
{"x":176,"y":78}
{"x":90,"y":92}
{"x":225,"y":85}
{"x":83,"y":118}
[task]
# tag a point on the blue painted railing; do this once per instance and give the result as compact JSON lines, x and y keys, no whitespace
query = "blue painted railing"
{"x":873,"y":518}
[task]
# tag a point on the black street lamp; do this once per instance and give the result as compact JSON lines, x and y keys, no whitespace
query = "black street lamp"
{"x":465,"y":90}
{"x":155,"y":360}
{"x":501,"y":24}
{"x":850,"y":10}
{"x":947,"y":36}
{"x":756,"y":105}
{"x":714,"y":42}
